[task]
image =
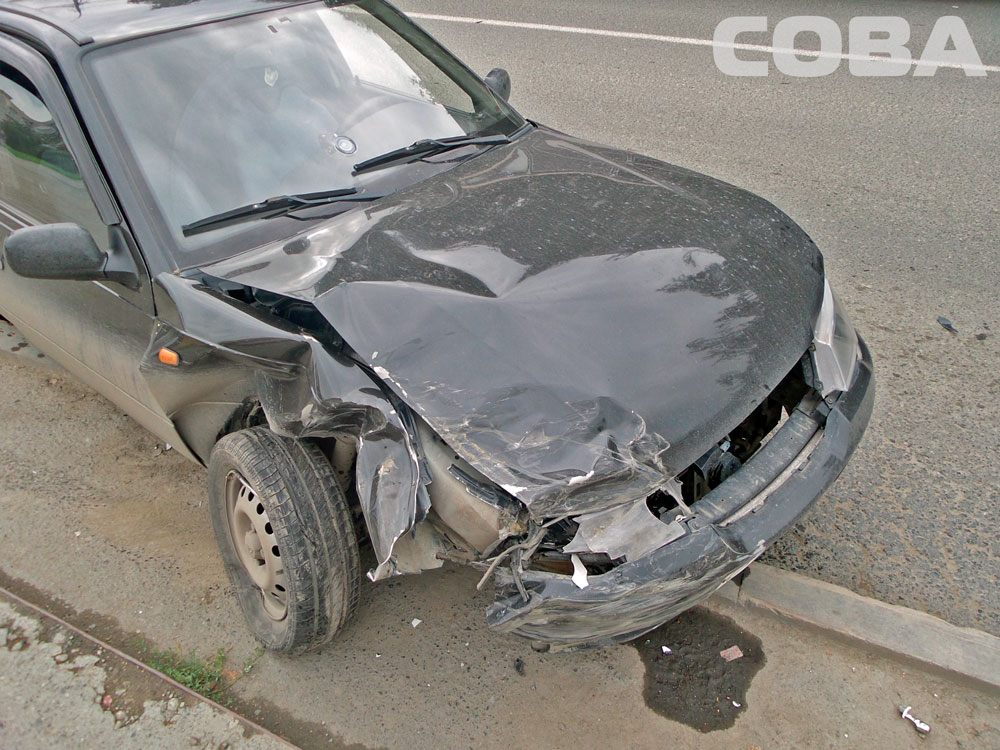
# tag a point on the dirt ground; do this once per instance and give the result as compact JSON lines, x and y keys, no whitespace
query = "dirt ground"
{"x":103,"y":524}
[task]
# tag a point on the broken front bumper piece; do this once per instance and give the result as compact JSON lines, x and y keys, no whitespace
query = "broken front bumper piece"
{"x":730,"y":528}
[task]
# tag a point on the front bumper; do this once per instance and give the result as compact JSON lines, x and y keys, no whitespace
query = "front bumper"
{"x":730,"y":528}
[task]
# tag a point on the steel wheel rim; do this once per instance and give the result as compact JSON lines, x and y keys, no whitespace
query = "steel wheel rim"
{"x":255,"y":544}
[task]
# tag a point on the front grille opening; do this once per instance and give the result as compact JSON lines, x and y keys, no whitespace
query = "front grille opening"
{"x":724,"y":459}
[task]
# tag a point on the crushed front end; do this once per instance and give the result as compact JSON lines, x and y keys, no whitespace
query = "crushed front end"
{"x":608,"y":577}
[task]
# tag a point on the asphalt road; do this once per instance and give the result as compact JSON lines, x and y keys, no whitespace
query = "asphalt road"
{"x":897,"y":180}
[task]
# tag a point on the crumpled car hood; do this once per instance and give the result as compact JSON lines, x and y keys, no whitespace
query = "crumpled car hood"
{"x":578,"y":322}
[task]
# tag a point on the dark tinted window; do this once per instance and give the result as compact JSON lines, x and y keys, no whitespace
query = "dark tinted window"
{"x":39,"y":179}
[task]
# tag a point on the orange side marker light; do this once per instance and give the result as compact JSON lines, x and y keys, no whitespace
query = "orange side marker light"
{"x":169,"y":357}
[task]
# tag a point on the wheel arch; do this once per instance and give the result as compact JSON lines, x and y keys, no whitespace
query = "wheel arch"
{"x":204,"y":423}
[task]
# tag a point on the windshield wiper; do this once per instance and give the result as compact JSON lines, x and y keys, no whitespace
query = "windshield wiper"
{"x":277,"y":206}
{"x":420,"y":149}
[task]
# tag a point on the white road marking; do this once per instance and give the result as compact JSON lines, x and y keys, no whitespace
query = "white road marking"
{"x":690,"y":41}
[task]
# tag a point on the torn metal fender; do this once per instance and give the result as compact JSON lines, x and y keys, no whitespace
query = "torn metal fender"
{"x":230,"y":352}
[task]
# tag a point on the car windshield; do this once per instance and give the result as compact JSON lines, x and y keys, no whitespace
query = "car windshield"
{"x":284,"y":103}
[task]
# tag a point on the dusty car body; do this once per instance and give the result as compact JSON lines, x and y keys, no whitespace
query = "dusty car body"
{"x":606,"y":381}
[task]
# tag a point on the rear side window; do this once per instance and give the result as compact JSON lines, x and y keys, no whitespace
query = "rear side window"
{"x":39,"y":179}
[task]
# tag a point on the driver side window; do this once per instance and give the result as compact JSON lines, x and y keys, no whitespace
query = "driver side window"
{"x":39,"y":179}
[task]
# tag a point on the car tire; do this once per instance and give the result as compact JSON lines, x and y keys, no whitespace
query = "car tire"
{"x":286,"y":537}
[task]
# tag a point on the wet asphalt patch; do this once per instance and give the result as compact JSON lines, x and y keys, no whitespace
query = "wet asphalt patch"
{"x":693,"y":683}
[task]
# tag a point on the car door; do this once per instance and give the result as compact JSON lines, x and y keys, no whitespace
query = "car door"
{"x":99,"y":330}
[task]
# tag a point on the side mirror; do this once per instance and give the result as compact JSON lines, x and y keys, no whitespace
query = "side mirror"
{"x":498,"y":80}
{"x":55,"y":251}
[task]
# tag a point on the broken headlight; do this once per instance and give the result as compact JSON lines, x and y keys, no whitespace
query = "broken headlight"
{"x":835,"y":345}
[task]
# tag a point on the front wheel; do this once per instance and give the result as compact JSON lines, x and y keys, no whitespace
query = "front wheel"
{"x":286,"y":537}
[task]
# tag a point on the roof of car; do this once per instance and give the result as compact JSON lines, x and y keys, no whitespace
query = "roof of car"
{"x":87,"y":21}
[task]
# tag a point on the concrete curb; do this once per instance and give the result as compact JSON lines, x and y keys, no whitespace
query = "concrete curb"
{"x":902,"y":631}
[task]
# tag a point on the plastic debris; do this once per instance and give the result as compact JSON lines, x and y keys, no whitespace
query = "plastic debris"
{"x":666,"y":649}
{"x":732,"y":653}
{"x":415,"y":621}
{"x":737,"y":705}
{"x":946,"y":324}
{"x":921,"y":726}
{"x":106,"y":701}
{"x":579,"y":573}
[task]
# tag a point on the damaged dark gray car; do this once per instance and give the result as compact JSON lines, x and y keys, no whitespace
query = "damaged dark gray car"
{"x":305,"y":245}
